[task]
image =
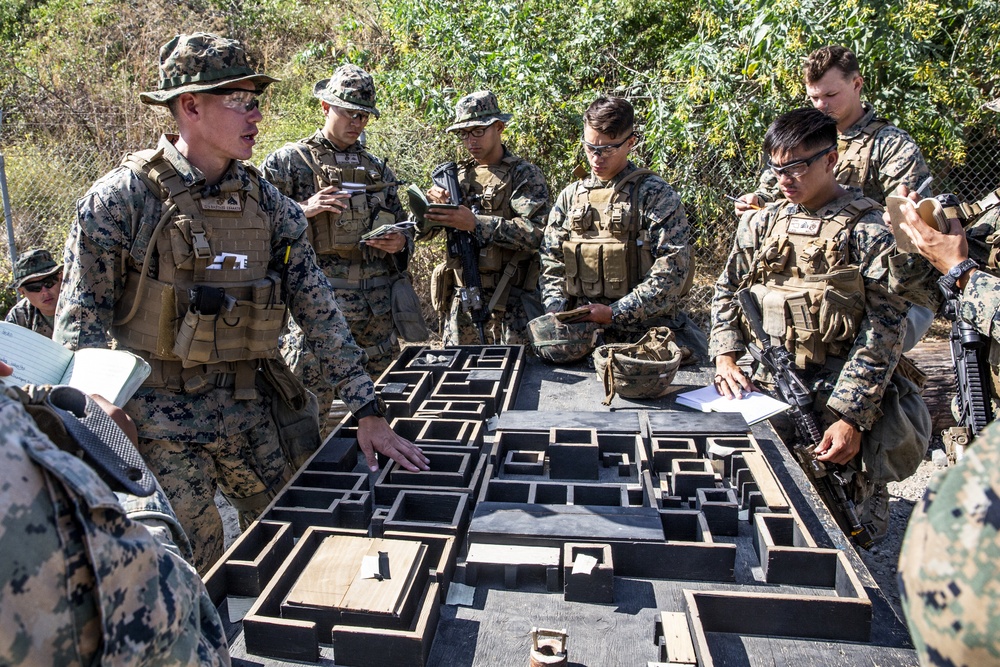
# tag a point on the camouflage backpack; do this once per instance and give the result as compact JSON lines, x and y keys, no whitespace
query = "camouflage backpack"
{"x":639,"y":370}
{"x":561,"y":342}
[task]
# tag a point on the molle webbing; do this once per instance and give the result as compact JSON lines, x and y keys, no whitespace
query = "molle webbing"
{"x":854,"y":164}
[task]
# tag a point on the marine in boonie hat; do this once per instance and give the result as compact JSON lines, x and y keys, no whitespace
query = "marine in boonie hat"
{"x":200,"y":62}
{"x":478,"y":109}
{"x":34,"y":265}
{"x":350,"y":87}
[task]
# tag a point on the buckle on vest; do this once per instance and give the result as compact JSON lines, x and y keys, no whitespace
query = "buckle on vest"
{"x":616,"y":221}
{"x":202,"y":250}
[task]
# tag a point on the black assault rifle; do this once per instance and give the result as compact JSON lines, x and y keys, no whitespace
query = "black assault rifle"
{"x":829,"y":479}
{"x":463,"y":246}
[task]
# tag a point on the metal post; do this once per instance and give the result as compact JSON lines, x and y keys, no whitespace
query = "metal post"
{"x":6,"y":207}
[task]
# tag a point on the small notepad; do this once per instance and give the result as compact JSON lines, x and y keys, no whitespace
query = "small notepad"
{"x":754,"y":406}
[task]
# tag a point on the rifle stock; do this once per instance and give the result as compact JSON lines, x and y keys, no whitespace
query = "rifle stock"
{"x":463,"y":246}
{"x":828,"y":479}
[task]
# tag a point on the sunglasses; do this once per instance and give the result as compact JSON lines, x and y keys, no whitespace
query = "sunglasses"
{"x":799,"y":167}
{"x":597,"y":150}
{"x":355,"y":116}
{"x":236,"y":99}
{"x":39,"y":285}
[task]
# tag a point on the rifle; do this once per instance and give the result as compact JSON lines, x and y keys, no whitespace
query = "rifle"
{"x":463,"y":246}
{"x":828,"y":479}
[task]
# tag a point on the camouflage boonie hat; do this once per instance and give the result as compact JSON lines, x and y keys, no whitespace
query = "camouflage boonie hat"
{"x":639,"y":370}
{"x":994,"y":105}
{"x":350,"y":87}
{"x":561,"y":343}
{"x":477,"y":110}
{"x":199,"y":62}
{"x":34,"y":265}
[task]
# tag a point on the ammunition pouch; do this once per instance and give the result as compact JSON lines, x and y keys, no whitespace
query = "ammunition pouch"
{"x":442,"y":287}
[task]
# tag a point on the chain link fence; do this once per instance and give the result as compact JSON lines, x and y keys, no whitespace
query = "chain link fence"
{"x":45,"y":179}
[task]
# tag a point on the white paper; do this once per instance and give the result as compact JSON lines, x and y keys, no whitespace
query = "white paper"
{"x":369,"y":568}
{"x":754,"y":406}
{"x":241,"y":260}
{"x":584,"y":564}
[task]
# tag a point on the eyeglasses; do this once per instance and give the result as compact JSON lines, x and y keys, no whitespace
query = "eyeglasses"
{"x":44,"y":283}
{"x":236,"y":99}
{"x":597,"y":150}
{"x":355,"y":116}
{"x":474,"y":132}
{"x":798,"y":168}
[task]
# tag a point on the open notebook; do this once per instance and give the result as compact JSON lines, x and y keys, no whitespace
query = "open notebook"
{"x":114,"y":374}
{"x":754,"y":406}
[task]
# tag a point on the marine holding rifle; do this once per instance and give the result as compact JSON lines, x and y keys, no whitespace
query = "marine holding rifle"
{"x":503,"y":204}
{"x":814,"y":265}
{"x":618,"y":241}
{"x":345,"y":192}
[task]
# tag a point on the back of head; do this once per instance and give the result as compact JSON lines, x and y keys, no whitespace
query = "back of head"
{"x":613,"y":116}
{"x":826,"y":58}
{"x":806,"y":127}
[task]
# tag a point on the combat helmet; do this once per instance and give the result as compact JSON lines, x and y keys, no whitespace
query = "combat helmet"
{"x":561,"y":342}
{"x":639,"y":370}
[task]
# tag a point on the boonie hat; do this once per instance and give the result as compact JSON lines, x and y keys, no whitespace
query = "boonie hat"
{"x":478,"y":109}
{"x":350,"y":87}
{"x":199,"y":62}
{"x":34,"y":265}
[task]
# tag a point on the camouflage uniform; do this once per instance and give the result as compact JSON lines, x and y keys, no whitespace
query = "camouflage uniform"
{"x":654,"y":301}
{"x":861,"y":386}
{"x":362,"y":282}
{"x":894,"y":160}
{"x":198,"y":438}
{"x":85,"y":583}
{"x":25,"y":315}
{"x":508,"y":231}
{"x":949,"y":564}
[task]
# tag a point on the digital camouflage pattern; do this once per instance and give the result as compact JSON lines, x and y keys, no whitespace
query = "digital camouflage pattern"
{"x":25,"y":315}
{"x":862,"y":387}
{"x":118,"y":213}
{"x":201,"y":61}
{"x":350,"y":87}
{"x":34,"y":265}
{"x":643,"y":369}
{"x":368,"y":310}
{"x":83,"y":582}
{"x":476,"y":110}
{"x":949,"y":564}
{"x":895,"y":160}
{"x":654,"y":301}
{"x":562,"y":343}
{"x":529,"y":203}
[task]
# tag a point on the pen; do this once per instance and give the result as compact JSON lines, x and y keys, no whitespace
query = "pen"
{"x":748,"y":205}
{"x":927,"y":181}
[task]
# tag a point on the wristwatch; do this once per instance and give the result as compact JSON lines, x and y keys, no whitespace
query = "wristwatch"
{"x":949,"y":281}
{"x":374,"y":408}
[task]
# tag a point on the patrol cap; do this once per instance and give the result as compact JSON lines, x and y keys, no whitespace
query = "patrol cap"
{"x":34,"y":265}
{"x":199,"y":62}
{"x":350,"y":87}
{"x":994,"y":105}
{"x":477,"y":110}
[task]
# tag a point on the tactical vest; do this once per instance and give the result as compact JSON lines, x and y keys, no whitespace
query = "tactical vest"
{"x":204,"y":295}
{"x":488,"y":190}
{"x":607,"y":253}
{"x":811,"y":299}
{"x":854,"y":165}
{"x":355,"y":171}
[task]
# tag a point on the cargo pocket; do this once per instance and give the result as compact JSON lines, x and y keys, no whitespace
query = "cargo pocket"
{"x":615,"y":270}
{"x":572,"y":262}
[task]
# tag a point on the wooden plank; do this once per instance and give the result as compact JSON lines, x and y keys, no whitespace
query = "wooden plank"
{"x":774,"y":497}
{"x":677,"y":638}
{"x":386,"y":596}
{"x":504,"y":554}
{"x":330,"y":571}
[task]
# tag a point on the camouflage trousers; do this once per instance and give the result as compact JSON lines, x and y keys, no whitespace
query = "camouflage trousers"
{"x":507,"y":327}
{"x":249,"y":468}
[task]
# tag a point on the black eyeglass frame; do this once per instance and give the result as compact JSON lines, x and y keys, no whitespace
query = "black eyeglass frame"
{"x":806,"y":163}
{"x":597,"y":150}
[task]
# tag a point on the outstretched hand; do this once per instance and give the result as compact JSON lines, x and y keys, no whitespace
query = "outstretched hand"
{"x":374,"y":435}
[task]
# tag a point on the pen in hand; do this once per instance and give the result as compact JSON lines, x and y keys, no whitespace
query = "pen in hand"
{"x":753,"y":207}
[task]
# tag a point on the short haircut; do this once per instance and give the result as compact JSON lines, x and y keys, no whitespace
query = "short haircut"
{"x":824,"y":59}
{"x":806,"y":127}
{"x":613,"y":116}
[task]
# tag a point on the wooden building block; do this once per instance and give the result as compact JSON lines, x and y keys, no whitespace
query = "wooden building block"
{"x":722,"y":448}
{"x":250,"y":562}
{"x":720,"y":509}
{"x":767,"y":484}
{"x":677,"y":646}
{"x":448,"y":431}
{"x":404,"y":391}
{"x":336,"y":454}
{"x":665,"y":450}
{"x":689,"y":475}
{"x":573,"y":454}
{"x":583,"y":584}
{"x":513,"y":561}
{"x":431,"y":512}
{"x":522,"y":462}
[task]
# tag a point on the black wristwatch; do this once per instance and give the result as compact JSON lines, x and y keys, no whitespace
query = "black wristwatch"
{"x":374,"y":408}
{"x":949,"y":281}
